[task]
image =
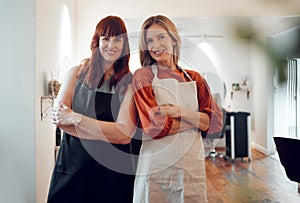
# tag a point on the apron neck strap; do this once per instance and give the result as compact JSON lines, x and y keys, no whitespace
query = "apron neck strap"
{"x":154,"y":70}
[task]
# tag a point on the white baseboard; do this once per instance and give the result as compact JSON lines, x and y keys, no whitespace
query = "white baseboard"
{"x":259,"y":148}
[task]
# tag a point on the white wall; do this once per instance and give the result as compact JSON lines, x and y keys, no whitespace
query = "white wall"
{"x":262,"y":72}
{"x":259,"y":106}
{"x":17,"y":144}
{"x":29,"y":55}
{"x":229,"y":58}
{"x":54,"y":56}
{"x":286,"y":44}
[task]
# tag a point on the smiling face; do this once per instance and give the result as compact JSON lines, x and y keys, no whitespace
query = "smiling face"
{"x":111,"y":48}
{"x":160,"y":45}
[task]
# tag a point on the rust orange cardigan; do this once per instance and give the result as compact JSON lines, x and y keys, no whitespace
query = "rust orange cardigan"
{"x":156,"y":125}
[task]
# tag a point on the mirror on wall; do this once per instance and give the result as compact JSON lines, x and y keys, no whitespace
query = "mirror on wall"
{"x":217,"y":87}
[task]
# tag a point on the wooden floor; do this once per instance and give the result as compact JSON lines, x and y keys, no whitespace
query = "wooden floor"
{"x":261,"y":180}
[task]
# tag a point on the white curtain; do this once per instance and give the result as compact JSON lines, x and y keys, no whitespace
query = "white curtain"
{"x":292,"y":91}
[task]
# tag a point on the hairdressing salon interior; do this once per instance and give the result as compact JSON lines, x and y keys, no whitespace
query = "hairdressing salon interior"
{"x":234,"y":44}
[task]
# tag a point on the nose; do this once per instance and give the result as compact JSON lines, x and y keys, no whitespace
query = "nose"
{"x":110,"y":43}
{"x":155,"y":44}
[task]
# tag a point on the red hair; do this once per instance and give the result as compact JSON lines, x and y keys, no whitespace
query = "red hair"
{"x":91,"y":68}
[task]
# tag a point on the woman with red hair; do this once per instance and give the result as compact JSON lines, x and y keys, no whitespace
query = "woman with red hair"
{"x":96,"y":111}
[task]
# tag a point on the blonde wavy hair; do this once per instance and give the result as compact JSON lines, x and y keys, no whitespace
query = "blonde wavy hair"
{"x":169,"y":26}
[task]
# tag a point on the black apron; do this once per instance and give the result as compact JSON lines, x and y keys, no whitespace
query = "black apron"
{"x":89,"y":171}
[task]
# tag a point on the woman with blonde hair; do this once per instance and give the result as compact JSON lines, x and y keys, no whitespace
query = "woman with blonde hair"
{"x":174,"y":106}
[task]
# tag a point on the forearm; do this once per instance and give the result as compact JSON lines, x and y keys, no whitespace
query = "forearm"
{"x":119,"y":132}
{"x":70,"y":129}
{"x":196,"y":119}
{"x":107,"y":131}
{"x":179,"y":126}
{"x":92,"y":129}
{"x":113,"y":132}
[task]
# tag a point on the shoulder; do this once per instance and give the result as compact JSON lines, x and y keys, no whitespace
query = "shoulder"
{"x":142,"y":77}
{"x":126,"y":78}
{"x":72,"y":74}
{"x":143,"y":73}
{"x":73,"y":71}
{"x":124,"y":82}
{"x":195,"y":75}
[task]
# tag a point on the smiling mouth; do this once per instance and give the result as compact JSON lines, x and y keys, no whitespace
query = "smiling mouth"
{"x":158,"y":52}
{"x":111,"y":52}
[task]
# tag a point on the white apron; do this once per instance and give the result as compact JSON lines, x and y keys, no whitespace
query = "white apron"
{"x":172,"y":169}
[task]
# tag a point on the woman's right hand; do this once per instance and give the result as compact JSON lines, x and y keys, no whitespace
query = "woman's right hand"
{"x":170,"y":110}
{"x":62,"y":115}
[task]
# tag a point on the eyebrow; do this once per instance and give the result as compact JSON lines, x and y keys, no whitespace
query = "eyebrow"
{"x":162,"y":34}
{"x":156,"y":35}
{"x":117,"y":36}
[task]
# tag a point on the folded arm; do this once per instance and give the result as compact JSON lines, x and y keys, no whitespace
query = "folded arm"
{"x":154,"y":124}
{"x":119,"y":132}
{"x":198,"y":120}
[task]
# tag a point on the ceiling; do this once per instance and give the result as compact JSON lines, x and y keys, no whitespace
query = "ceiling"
{"x":195,"y":18}
{"x":90,"y":9}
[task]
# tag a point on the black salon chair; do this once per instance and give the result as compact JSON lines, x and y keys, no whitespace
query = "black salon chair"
{"x":215,"y":137}
{"x":288,"y":150}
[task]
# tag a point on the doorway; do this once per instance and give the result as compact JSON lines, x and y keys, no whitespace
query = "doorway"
{"x":286,"y":102}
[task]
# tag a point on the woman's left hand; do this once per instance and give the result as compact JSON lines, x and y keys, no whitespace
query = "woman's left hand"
{"x":170,"y":110}
{"x":62,"y":115}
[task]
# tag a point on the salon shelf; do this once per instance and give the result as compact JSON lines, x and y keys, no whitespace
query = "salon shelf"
{"x":241,"y":90}
{"x":48,"y":105}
